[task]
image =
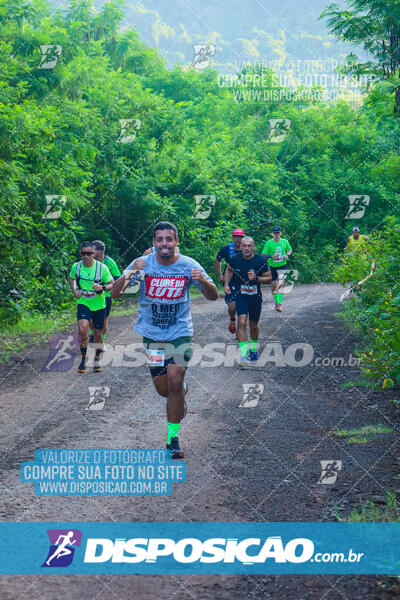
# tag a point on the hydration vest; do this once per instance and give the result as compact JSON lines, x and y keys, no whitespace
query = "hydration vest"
{"x":97,"y":277}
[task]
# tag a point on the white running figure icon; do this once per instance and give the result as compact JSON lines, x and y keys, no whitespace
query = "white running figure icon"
{"x":62,"y":354}
{"x":62,"y":550}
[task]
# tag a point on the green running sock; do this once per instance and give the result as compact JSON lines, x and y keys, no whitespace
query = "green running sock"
{"x":274,"y":297}
{"x":279,"y":298}
{"x":104,"y":337}
{"x":253,"y":345}
{"x":172,"y":431}
{"x":243,"y":348}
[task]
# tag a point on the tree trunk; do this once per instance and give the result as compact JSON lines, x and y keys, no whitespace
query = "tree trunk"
{"x":397,"y":102}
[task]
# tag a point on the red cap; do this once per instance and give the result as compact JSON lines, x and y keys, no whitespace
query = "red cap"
{"x":238,"y":232}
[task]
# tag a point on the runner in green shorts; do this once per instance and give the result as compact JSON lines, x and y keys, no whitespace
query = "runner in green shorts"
{"x":164,"y":318}
{"x":99,"y":254}
{"x":280,"y":248}
{"x":88,"y":280}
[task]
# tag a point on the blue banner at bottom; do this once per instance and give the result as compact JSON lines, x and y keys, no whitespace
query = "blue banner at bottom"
{"x":208,"y":548}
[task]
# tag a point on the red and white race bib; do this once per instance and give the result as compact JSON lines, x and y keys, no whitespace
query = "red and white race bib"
{"x":278,"y":250}
{"x":248,"y":289}
{"x":88,"y":294}
{"x":155,"y":358}
{"x":166,"y":288}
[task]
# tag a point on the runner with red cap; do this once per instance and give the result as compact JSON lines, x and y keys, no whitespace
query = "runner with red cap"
{"x":226,"y":253}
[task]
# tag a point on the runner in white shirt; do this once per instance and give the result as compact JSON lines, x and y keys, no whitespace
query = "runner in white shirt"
{"x":164,"y":318}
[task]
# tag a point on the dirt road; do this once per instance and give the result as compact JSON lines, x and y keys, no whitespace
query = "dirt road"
{"x":249,"y":458}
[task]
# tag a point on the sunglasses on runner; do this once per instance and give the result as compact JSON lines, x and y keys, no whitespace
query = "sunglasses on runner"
{"x":87,"y":253}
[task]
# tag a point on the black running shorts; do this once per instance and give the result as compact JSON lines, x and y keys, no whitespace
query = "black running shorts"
{"x":274,"y":271}
{"x":173,"y":352}
{"x":249,"y":305}
{"x":97,"y":316}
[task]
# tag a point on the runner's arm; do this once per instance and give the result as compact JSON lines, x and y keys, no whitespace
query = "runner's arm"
{"x":120,"y":285}
{"x":114,"y":270}
{"x":148,"y":251}
{"x":72,"y":285}
{"x":218,"y":262}
{"x":228,"y":277}
{"x":208,"y":287}
{"x":218,"y":269}
{"x":106,"y":282}
{"x":103,"y":286}
{"x":265,"y":277}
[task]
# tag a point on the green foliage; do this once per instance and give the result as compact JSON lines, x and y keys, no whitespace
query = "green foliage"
{"x":364,"y":434}
{"x":387,"y":510}
{"x":375,"y":308}
{"x":60,"y":134}
{"x":375,"y":26}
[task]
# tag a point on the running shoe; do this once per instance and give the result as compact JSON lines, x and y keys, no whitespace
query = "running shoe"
{"x":97,"y":368}
{"x":175,"y":448}
{"x":279,"y":307}
{"x":244,"y":362}
{"x":253,"y":356}
{"x":82,"y":366}
{"x":232,"y":326}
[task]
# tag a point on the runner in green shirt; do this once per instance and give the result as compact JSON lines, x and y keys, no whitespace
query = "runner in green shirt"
{"x":99,"y":248}
{"x":88,"y":279}
{"x":280,"y":248}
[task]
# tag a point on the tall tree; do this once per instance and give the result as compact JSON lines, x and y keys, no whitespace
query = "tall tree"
{"x":374,"y":25}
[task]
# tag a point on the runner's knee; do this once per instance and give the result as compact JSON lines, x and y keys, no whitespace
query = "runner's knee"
{"x":175,"y":381}
{"x":242,"y":320}
{"x":83,"y":330}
